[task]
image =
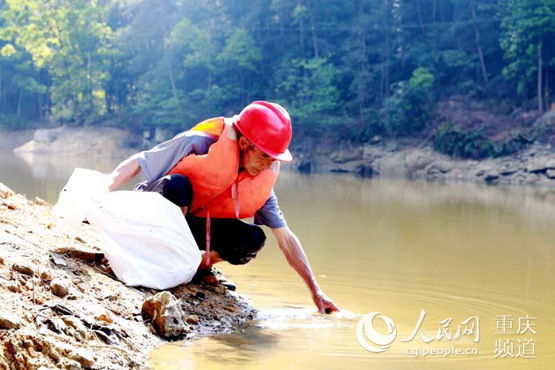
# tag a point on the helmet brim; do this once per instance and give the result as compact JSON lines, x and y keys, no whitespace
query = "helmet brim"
{"x":283,"y":157}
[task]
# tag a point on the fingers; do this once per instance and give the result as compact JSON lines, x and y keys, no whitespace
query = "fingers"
{"x":327,"y":307}
{"x":330,"y":307}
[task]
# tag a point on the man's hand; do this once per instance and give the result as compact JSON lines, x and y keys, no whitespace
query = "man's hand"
{"x":324,"y":303}
{"x":294,"y":254}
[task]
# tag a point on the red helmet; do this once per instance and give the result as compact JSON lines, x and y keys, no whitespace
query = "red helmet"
{"x":268,"y":126}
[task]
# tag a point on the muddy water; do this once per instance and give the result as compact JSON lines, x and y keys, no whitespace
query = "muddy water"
{"x":432,"y":259}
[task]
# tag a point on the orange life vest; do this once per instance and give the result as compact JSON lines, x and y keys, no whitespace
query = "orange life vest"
{"x":218,"y":187}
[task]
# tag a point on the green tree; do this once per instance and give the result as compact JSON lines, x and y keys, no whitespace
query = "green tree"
{"x":308,"y":89}
{"x":71,"y":41}
{"x":528,"y":32}
{"x":239,"y":66}
{"x":409,"y":108}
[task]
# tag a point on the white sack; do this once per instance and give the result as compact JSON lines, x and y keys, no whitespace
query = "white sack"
{"x":144,"y":236}
{"x":78,"y":192}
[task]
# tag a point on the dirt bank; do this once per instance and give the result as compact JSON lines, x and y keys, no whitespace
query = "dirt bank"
{"x":59,"y":311}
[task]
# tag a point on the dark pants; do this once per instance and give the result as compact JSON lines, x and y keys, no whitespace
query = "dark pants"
{"x":236,"y":242}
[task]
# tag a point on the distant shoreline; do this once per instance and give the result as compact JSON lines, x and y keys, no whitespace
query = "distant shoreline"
{"x":379,"y":157}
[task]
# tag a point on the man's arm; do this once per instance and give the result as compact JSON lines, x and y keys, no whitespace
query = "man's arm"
{"x":158,"y":161}
{"x":294,"y":253}
{"x":125,"y":172}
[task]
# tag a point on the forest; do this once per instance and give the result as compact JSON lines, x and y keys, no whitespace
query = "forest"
{"x":380,"y":66}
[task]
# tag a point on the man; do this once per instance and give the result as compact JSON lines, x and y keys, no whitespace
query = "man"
{"x":223,"y":170}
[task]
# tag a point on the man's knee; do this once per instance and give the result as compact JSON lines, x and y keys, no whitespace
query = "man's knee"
{"x":178,"y":190}
{"x":258,"y":238}
{"x":254,"y":241}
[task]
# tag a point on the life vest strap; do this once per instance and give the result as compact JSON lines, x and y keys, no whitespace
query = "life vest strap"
{"x":207,"y":251}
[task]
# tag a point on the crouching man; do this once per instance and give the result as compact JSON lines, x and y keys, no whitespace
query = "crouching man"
{"x":221,"y":171}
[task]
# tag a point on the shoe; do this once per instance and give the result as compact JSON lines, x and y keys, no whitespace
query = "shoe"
{"x":230,"y":285}
{"x":213,"y":276}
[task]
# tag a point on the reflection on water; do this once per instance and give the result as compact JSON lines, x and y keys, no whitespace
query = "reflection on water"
{"x":43,"y":176}
{"x":456,"y":251}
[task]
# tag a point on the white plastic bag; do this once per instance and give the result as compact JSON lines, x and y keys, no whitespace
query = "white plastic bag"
{"x":144,"y":236}
{"x":78,"y":192}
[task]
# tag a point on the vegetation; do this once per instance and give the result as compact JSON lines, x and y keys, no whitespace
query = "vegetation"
{"x":380,"y":65}
{"x":474,"y":144}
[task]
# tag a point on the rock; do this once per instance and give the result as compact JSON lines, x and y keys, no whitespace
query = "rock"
{"x":5,"y":192}
{"x":39,"y":201}
{"x":455,"y":174}
{"x":370,"y":153}
{"x":433,"y":170}
{"x":46,"y":275}
{"x":536,"y":166}
{"x":445,"y":166}
{"x":417,"y":160}
{"x":346,"y":153}
{"x":11,"y":206}
{"x":82,"y":357}
{"x":9,"y":321}
{"x":519,"y":178}
{"x":508,"y":169}
{"x":439,"y":167}
{"x":192,"y":319}
{"x":550,"y":165}
{"x":13,"y":287}
{"x":104,"y":317}
{"x":56,"y":324}
{"x":218,"y":289}
{"x":23,"y":268}
{"x":531,"y":179}
{"x":550,"y":174}
{"x":391,"y":166}
{"x":491,"y":176}
{"x":70,"y":364}
{"x":164,"y":312}
{"x":75,"y":323}
{"x":59,"y":287}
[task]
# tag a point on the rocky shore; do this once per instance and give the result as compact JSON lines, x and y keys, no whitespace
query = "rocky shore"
{"x":533,"y":166}
{"x":64,"y":310}
{"x":416,"y":159}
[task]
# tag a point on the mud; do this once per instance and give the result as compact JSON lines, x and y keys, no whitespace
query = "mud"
{"x":63,"y":311}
